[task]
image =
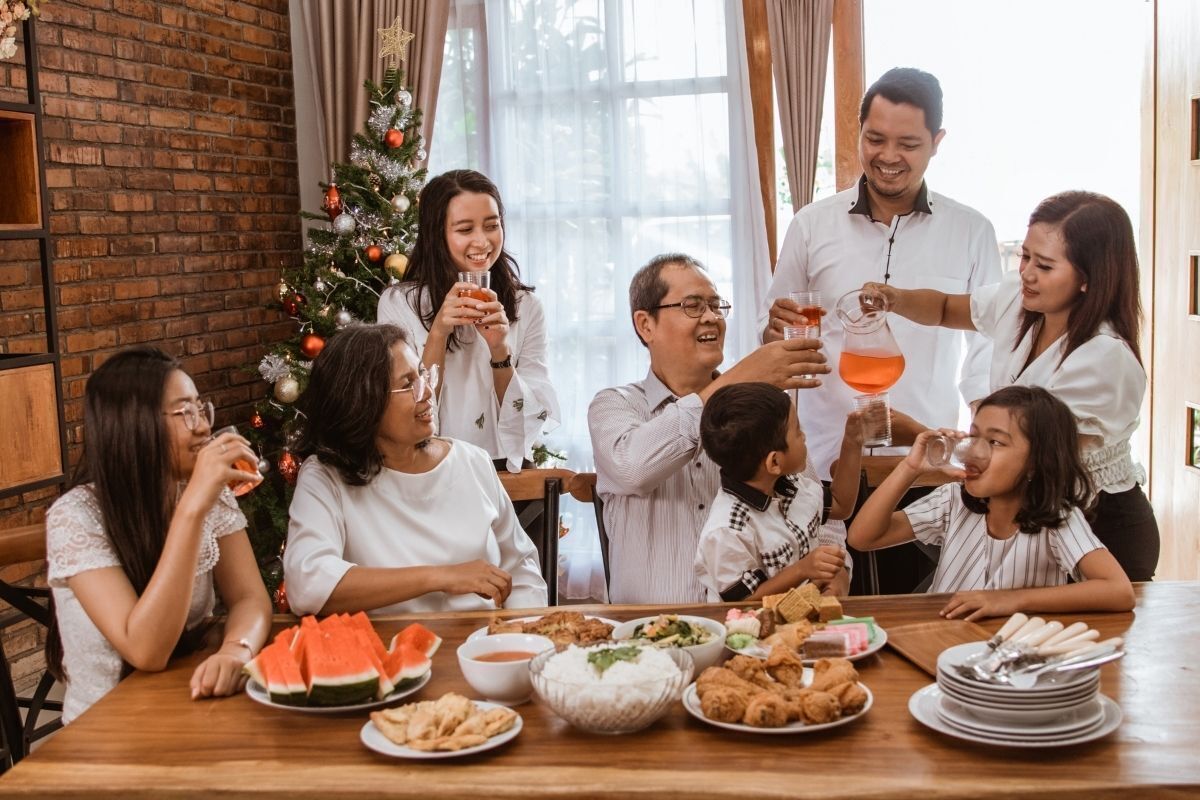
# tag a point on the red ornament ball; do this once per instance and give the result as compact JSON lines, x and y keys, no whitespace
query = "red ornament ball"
{"x":293,"y":302}
{"x":257,"y":421}
{"x":311,"y":345}
{"x":374,"y":253}
{"x":281,"y":601}
{"x":393,"y":138}
{"x":332,"y":204}
{"x":289,"y":466}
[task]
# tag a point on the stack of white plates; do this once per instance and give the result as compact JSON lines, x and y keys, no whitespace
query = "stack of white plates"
{"x":1060,"y":709}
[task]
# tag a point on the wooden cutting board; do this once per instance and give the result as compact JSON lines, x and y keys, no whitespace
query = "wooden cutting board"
{"x":922,"y":642}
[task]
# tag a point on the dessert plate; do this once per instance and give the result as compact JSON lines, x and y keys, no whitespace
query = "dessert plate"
{"x":759,"y":650}
{"x":374,"y":740}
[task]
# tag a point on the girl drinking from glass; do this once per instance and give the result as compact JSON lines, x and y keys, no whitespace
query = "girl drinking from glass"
{"x":1012,"y":532}
{"x":133,"y":550}
{"x":495,"y":390}
{"x":1068,"y":321}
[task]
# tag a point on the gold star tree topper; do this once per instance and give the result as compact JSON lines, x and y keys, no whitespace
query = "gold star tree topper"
{"x":395,"y":42}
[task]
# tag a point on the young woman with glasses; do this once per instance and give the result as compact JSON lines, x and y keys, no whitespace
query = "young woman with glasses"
{"x":134,"y":548}
{"x":497,"y":392}
{"x":387,"y":517}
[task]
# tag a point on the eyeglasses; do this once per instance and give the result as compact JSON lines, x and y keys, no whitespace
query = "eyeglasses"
{"x":425,"y":378}
{"x":694,"y":306}
{"x":193,"y":413}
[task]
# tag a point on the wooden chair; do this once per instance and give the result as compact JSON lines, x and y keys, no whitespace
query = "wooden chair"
{"x":874,"y":470}
{"x":542,"y":487}
{"x":18,"y":546}
{"x":583,"y":489}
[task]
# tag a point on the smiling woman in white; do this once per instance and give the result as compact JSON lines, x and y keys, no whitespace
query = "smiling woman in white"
{"x":387,"y":517}
{"x":1069,"y":322}
{"x":496,"y":390}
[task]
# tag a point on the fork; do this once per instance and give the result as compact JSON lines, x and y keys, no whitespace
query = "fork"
{"x":1102,"y":653}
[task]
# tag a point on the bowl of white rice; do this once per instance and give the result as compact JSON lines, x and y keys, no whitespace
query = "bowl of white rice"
{"x":612,"y":687}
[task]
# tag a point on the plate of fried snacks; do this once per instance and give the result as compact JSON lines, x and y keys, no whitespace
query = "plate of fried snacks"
{"x":778,"y":694}
{"x":448,"y":727}
{"x":560,"y":627}
{"x":807,"y":622}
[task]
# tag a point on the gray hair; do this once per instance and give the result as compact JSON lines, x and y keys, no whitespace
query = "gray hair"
{"x":647,"y":288}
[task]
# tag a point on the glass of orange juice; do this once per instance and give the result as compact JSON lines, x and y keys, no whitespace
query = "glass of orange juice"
{"x":240,"y":487}
{"x":479,"y":281}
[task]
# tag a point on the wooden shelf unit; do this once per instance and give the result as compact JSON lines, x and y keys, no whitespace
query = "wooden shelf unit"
{"x":32,"y":430}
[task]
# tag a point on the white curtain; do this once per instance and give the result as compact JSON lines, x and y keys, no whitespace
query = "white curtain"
{"x":616,"y":130}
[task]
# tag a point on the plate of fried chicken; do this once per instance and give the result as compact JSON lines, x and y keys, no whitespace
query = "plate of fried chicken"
{"x":778,"y":694}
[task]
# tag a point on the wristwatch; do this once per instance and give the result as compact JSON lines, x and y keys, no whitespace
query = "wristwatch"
{"x":507,"y":362}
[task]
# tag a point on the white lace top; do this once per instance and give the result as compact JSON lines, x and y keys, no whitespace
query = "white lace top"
{"x":76,"y":542}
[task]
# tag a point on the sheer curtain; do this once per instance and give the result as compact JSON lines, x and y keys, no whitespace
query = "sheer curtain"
{"x":616,"y":130}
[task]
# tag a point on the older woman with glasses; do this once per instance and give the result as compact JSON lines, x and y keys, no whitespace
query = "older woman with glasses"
{"x":387,"y":517}
{"x":134,"y":548}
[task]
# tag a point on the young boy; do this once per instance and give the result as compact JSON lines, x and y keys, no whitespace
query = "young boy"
{"x":763,"y":534}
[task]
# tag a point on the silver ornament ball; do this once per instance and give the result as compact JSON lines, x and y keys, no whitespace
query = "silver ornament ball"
{"x":405,"y":98}
{"x":343,"y":318}
{"x":401,"y":203}
{"x":264,"y":466}
{"x":287,"y":390}
{"x":320,"y":285}
{"x":421,"y":154}
{"x":343,"y":224}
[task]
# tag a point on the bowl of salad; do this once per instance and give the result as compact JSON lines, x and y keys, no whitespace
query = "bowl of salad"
{"x":701,"y":637}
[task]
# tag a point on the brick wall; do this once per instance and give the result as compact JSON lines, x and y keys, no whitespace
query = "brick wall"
{"x":170,"y":160}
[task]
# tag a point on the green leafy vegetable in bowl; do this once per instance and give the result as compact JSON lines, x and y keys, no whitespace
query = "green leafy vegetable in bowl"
{"x":668,"y":630}
{"x":605,"y":658}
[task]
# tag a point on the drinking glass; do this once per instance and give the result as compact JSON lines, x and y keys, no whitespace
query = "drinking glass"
{"x":945,"y":451}
{"x":876,"y":419}
{"x":811,"y":308}
{"x":802,"y":332}
{"x":479,"y":282}
{"x":240,"y":487}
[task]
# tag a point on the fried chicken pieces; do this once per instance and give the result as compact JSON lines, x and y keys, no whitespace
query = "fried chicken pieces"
{"x":771,"y":693}
{"x":560,"y":627}
{"x":452,"y":722}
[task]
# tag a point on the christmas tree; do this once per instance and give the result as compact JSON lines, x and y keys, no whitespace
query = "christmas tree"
{"x":371,"y":205}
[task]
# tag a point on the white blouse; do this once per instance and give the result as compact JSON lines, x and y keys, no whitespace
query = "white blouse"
{"x":971,"y":559}
{"x":456,"y":512}
{"x":467,"y":406}
{"x":1101,"y":381}
{"x":77,"y":542}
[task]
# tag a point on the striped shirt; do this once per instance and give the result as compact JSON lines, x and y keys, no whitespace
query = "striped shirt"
{"x":657,"y":485}
{"x":971,"y":559}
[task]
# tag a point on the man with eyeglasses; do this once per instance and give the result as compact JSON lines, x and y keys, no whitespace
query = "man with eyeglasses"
{"x":890,"y":228}
{"x":653,"y":476}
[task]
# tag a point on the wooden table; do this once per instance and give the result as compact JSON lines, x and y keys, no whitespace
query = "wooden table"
{"x":147,"y":740}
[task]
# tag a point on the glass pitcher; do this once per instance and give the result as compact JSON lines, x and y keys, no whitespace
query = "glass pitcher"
{"x":871,"y":360}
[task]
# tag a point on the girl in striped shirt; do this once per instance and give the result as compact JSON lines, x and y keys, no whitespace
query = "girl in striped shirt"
{"x":1012,"y":533}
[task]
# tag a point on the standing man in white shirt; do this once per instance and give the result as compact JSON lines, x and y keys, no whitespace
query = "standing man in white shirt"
{"x":655,"y":480}
{"x":889,"y":228}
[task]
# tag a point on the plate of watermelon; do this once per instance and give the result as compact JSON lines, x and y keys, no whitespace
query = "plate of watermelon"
{"x":339,"y":664}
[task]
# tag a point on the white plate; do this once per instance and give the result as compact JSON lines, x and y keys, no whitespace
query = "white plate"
{"x":376,"y":741}
{"x":1048,"y":682}
{"x":757,"y":650}
{"x":1017,"y":711}
{"x":691,"y":702}
{"x":924,"y":703}
{"x":1005,"y":694}
{"x":484,"y":631}
{"x":1077,"y":719}
{"x":259,"y":695}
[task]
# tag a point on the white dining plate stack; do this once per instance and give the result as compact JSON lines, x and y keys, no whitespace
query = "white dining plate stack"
{"x":1060,"y":709}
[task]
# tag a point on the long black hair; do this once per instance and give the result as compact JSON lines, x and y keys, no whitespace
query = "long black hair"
{"x":430,"y":265}
{"x":1056,"y":480}
{"x":1099,"y":242}
{"x":347,"y":395}
{"x":127,"y":459}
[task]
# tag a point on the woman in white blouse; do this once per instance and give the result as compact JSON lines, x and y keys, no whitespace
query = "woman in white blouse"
{"x":387,"y":517}
{"x":495,"y":390}
{"x":132,"y":551}
{"x":1069,"y":321}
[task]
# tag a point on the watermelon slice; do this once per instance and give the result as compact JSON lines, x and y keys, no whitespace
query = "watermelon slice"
{"x":418,"y":637}
{"x":276,"y":671}
{"x":386,"y":685}
{"x":362,"y":622}
{"x":405,"y":665}
{"x":336,"y":669}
